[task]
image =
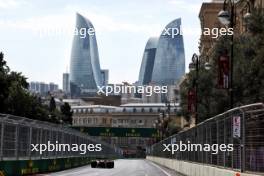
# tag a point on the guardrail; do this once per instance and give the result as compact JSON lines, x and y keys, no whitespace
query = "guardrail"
{"x":242,"y":126}
{"x":18,"y":133}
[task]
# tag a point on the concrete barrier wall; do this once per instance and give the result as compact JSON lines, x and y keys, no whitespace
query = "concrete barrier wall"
{"x":194,"y":169}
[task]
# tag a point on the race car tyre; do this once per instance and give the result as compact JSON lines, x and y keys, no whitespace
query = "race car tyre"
{"x":93,"y":164}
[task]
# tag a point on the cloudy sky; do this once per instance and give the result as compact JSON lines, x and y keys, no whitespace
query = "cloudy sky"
{"x":36,"y":35}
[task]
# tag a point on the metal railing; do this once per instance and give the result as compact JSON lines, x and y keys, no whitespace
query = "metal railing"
{"x":18,"y":133}
{"x":242,"y":126}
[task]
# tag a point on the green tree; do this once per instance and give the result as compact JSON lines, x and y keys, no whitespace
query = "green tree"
{"x":67,"y":113}
{"x":15,"y":98}
{"x":52,"y":105}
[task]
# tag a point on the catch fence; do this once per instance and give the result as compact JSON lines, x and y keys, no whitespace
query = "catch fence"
{"x":242,"y":126}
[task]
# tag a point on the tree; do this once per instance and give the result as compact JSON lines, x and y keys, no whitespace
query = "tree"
{"x":4,"y":69}
{"x":67,"y":113}
{"x":52,"y":105}
{"x":15,"y":98}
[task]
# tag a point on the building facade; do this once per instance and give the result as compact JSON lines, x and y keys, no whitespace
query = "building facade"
{"x":169,"y":65}
{"x":209,"y":19}
{"x":43,"y":88}
{"x":85,"y":71}
{"x":127,"y":116}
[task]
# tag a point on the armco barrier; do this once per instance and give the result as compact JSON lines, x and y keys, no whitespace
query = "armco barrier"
{"x":25,"y":167}
{"x":197,"y":169}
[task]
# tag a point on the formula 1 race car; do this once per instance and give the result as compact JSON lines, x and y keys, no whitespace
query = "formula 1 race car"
{"x":102,"y":163}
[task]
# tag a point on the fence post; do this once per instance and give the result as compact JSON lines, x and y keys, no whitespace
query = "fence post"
{"x":30,"y":142}
{"x":242,"y":150}
{"x":2,"y":140}
{"x":40,"y":139}
{"x":225,"y":142}
{"x":16,"y":141}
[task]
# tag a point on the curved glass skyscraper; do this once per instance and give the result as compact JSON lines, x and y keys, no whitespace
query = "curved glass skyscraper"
{"x":85,"y":71}
{"x":147,"y":63}
{"x":169,"y":65}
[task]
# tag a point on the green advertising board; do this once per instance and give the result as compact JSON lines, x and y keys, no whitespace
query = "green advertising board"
{"x":119,"y":132}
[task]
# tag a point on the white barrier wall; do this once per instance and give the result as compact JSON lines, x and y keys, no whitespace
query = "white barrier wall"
{"x":194,"y":169}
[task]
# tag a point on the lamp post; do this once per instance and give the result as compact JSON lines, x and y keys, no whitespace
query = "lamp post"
{"x":157,"y":125}
{"x":227,"y":18}
{"x":161,"y":124}
{"x":195,"y":66}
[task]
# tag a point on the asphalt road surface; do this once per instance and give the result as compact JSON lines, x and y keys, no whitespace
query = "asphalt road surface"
{"x":123,"y":167}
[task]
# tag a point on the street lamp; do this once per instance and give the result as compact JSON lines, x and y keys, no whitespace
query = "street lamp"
{"x":247,"y":16}
{"x":229,"y":21}
{"x":157,"y":125}
{"x":224,"y":17}
{"x":195,"y":66}
{"x":161,"y":124}
{"x":227,"y":18}
{"x":207,"y":66}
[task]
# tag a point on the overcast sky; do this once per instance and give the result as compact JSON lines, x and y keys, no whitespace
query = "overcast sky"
{"x":122,"y":30}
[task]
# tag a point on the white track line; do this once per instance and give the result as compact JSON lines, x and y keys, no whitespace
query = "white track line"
{"x":165,"y":172}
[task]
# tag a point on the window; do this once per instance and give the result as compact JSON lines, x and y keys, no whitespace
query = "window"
{"x":113,"y":141}
{"x":133,"y":141}
{"x":104,"y":120}
{"x":142,"y":110}
{"x":85,"y":121}
{"x":94,"y":120}
{"x":134,"y":110}
{"x":75,"y":121}
{"x":141,"y":142}
{"x":133,"y":121}
{"x":85,"y":44}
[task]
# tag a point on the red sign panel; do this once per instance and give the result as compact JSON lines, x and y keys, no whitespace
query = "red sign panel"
{"x":223,"y":72}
